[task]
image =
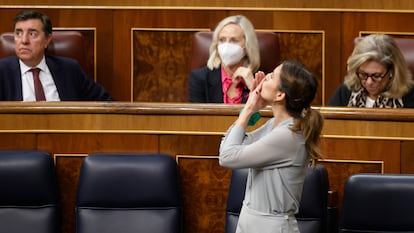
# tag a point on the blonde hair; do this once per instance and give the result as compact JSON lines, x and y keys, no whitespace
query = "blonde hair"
{"x":252,"y":58}
{"x":384,"y":50}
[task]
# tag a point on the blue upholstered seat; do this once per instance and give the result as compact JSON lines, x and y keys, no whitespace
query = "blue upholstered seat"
{"x":29,"y":194}
{"x":378,"y":203}
{"x":129,"y":194}
{"x":313,"y":211}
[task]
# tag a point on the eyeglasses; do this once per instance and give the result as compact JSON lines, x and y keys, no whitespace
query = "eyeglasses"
{"x":376,"y":77}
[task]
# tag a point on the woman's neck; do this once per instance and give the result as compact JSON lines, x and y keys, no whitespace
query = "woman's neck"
{"x":373,"y":97}
{"x":280,"y":114}
{"x":231,"y":69}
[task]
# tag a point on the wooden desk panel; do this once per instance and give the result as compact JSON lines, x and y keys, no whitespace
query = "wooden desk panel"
{"x":17,"y":141}
{"x":354,"y":141}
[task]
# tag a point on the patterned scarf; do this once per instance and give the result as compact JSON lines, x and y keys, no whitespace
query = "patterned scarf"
{"x":359,"y":99}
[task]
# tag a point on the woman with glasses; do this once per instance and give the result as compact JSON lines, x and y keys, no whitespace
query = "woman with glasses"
{"x":378,"y":76}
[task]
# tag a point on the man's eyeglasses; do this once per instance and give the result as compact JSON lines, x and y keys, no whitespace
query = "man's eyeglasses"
{"x":376,"y":77}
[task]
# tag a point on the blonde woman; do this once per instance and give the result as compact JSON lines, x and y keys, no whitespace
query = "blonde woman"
{"x":234,"y":45}
{"x":378,"y":76}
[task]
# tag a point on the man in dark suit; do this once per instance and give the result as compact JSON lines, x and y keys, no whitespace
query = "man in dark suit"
{"x":61,"y":79}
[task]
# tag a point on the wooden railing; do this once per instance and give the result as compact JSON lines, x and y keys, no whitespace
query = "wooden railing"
{"x":353,"y":141}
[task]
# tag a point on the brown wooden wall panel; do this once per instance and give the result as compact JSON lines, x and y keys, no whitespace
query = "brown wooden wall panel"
{"x":367,"y":150}
{"x":340,"y":170}
{"x":101,"y":22}
{"x":128,"y":21}
{"x":356,"y":24}
{"x":67,"y":171}
{"x":346,"y":157}
{"x":89,"y":47}
{"x":202,"y":178}
{"x":307,"y":48}
{"x":190,"y":144}
{"x":161,"y":60}
{"x":407,"y":157}
{"x":97,"y":142}
{"x":194,"y":4}
{"x":15,"y":141}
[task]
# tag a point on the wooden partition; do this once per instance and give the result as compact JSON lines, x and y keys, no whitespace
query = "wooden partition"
{"x":354,"y":141}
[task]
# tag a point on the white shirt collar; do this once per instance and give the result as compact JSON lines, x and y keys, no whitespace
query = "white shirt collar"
{"x":42,"y":66}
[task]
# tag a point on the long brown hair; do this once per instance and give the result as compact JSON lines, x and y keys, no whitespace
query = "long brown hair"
{"x":300,"y":86}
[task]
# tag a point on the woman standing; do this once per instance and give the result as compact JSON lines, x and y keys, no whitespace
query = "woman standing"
{"x":278,"y":152}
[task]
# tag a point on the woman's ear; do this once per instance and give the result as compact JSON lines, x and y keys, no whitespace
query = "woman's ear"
{"x":280,"y":96}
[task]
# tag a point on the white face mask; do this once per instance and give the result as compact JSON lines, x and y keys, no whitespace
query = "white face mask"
{"x":230,"y":53}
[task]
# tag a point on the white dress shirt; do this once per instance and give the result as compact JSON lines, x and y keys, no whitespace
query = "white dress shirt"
{"x":46,"y":79}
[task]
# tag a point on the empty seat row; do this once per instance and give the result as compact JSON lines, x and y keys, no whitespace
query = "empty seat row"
{"x":129,"y":193}
{"x":116,"y":193}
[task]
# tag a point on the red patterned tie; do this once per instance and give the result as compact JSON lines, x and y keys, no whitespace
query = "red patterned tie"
{"x":39,"y":93}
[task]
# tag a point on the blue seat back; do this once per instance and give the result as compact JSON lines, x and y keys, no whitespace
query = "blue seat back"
{"x":129,"y":194}
{"x":378,"y":203}
{"x":312,"y":216}
{"x":29,"y":200}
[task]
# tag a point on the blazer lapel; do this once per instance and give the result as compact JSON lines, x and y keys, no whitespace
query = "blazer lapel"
{"x":17,"y":88}
{"x":57,"y":76}
{"x":214,"y":86}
